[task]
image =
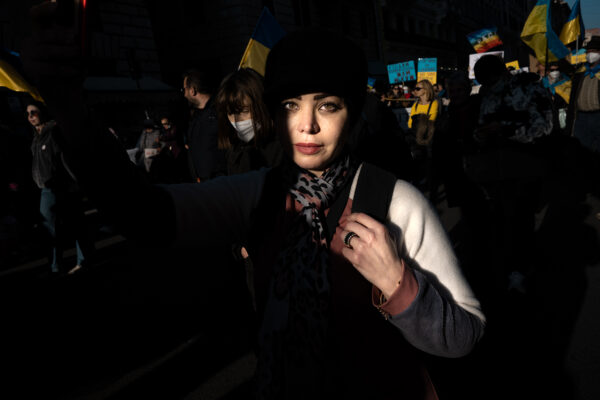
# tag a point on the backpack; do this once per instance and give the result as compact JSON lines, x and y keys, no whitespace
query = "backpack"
{"x":424,"y":128}
{"x":373,"y":196}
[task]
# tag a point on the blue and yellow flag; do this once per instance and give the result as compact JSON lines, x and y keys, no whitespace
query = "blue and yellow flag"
{"x":11,"y":79}
{"x":562,"y":86}
{"x":538,"y":34}
{"x":484,"y":39}
{"x":573,"y":28}
{"x":266,"y":34}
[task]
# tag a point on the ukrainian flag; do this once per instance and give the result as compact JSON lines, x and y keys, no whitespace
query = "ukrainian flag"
{"x":562,"y":87}
{"x":538,"y":34}
{"x":266,"y":33}
{"x":573,"y":28}
{"x":11,"y":79}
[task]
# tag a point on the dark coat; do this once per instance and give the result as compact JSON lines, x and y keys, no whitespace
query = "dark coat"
{"x":572,"y":110}
{"x":48,"y":168}
{"x":207,"y":161}
{"x":245,"y":157}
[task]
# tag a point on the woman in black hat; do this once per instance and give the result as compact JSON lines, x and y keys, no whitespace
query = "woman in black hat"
{"x":344,"y":298}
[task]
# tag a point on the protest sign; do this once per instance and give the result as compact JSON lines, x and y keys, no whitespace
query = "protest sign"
{"x":514,"y":64}
{"x":427,"y":69}
{"x":401,"y":72}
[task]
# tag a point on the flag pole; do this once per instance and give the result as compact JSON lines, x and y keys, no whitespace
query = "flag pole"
{"x":546,"y":63}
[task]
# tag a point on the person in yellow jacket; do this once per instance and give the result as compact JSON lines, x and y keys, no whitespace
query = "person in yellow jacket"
{"x":425,"y":103}
{"x":422,"y":130}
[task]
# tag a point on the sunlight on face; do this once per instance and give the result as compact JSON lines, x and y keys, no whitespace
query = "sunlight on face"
{"x":312,"y":129}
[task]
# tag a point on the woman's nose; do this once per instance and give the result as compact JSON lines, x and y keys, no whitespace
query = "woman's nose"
{"x":308,"y":122}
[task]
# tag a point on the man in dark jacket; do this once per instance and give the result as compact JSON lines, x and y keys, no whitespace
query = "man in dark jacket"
{"x":61,"y":204}
{"x":206,"y":160}
{"x":583,"y":116}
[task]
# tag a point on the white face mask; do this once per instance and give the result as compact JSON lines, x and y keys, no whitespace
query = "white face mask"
{"x":244,"y":130}
{"x":592,"y":57}
{"x":554,"y":74}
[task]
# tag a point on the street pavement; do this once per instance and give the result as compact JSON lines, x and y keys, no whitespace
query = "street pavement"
{"x":138,"y":323}
{"x":163,"y":324}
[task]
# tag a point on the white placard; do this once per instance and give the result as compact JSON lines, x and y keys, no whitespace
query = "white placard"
{"x":473,"y":58}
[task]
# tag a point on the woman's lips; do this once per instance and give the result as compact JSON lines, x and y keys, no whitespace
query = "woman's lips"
{"x":308,"y":148}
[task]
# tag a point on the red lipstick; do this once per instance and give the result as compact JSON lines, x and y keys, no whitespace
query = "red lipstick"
{"x":308,"y":148}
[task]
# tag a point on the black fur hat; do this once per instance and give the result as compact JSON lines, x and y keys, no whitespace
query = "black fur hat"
{"x":316,"y":60}
{"x":593,"y":44}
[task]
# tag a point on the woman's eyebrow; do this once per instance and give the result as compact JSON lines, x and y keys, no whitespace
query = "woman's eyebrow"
{"x":322,"y":96}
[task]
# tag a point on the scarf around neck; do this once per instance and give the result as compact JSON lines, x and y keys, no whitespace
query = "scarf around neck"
{"x":294,"y":329}
{"x":591,"y":72}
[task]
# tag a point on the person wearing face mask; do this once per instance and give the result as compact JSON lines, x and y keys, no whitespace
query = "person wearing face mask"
{"x":245,"y":129}
{"x":559,"y":86}
{"x":246,"y":136}
{"x":583,"y":116}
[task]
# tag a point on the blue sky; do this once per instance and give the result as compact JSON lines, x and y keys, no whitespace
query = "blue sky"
{"x":590,"y":10}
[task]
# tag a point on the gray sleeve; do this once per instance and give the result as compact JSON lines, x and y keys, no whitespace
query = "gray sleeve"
{"x":445,"y":317}
{"x":218,"y":210}
{"x":437,"y":325}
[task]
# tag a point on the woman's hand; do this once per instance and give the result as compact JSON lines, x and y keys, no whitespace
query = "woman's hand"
{"x":373,"y":252}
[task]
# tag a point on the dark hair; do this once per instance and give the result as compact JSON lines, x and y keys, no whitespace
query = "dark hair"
{"x":199,"y":80}
{"x":242,"y":85}
{"x":489,"y":69}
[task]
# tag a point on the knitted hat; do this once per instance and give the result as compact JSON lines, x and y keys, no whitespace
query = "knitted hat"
{"x":316,"y":60}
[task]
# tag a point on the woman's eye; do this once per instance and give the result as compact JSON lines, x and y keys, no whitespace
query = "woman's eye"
{"x":290,"y":106}
{"x":329,"y":107}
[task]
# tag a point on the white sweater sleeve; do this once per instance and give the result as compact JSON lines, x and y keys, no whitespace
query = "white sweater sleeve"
{"x":445,"y":318}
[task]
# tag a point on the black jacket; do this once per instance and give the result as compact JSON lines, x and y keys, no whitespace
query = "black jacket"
{"x":206,"y":159}
{"x":572,"y":110}
{"x":48,"y":168}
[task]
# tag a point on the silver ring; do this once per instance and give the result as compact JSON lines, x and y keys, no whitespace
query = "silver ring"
{"x":348,"y":238}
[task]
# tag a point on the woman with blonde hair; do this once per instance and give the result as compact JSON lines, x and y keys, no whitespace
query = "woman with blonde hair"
{"x":421,"y":123}
{"x":425,"y":104}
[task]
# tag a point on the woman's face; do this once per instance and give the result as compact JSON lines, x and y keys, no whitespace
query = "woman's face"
{"x":243,"y":115}
{"x":33,"y":115}
{"x":312,"y":129}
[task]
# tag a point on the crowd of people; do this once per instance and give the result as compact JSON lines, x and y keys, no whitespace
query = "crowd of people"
{"x":328,"y":197}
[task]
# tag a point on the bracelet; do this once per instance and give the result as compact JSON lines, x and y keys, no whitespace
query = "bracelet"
{"x":382,"y":298}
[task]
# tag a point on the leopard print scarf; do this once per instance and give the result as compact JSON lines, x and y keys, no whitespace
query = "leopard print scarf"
{"x":294,"y":329}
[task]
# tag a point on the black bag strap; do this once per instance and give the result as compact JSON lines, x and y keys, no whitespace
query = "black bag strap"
{"x":336,"y":210}
{"x":429,"y":108}
{"x":373,"y":196}
{"x":374,"y":192}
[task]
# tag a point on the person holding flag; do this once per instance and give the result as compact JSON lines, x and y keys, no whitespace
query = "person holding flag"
{"x":559,"y":85}
{"x":583,"y":116}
